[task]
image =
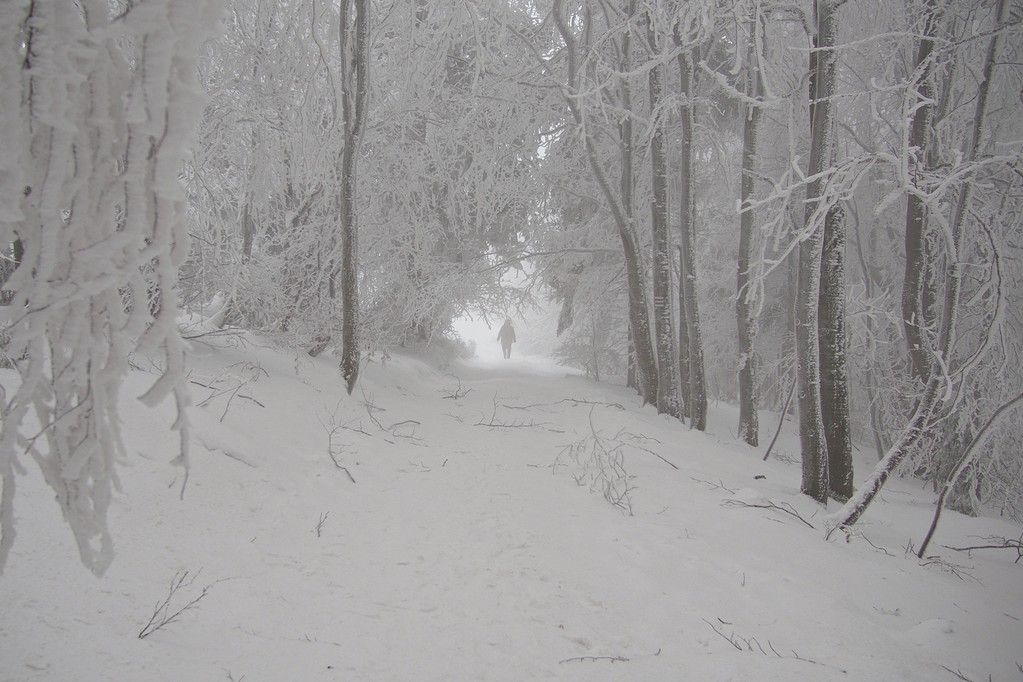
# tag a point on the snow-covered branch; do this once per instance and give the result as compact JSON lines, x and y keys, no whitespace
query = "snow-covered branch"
{"x":93,"y":199}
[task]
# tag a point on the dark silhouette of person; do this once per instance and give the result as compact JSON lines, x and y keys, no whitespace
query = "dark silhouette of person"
{"x":507,"y":337}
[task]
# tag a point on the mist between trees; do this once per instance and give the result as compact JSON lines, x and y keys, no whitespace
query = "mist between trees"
{"x":730,"y":201}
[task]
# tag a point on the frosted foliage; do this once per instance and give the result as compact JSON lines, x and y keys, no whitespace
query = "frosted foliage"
{"x":90,"y":188}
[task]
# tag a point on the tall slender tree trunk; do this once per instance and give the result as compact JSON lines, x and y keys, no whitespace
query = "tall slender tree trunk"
{"x":813,"y":443}
{"x":749,"y":427}
{"x":831,"y":323}
{"x":630,"y":378}
{"x":683,"y":340}
{"x":668,"y":399}
{"x":914,"y":312}
{"x":355,"y":93}
{"x":696,"y":391}
{"x":638,"y":306}
{"x":248,"y":223}
{"x":834,"y":364}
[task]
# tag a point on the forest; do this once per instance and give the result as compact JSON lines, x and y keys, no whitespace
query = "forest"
{"x":808,"y":206}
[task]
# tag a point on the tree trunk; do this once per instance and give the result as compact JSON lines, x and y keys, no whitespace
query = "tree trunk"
{"x":749,"y":427}
{"x":813,"y":444}
{"x":833,"y":352}
{"x":831,"y":323}
{"x":638,"y":307}
{"x":630,"y":377}
{"x":668,"y":400}
{"x":697,"y":389}
{"x":914,"y":317}
{"x":683,"y":340}
{"x":355,"y":92}
{"x":861,"y":499}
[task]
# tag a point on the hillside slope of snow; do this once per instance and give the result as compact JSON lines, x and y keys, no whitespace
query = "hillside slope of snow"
{"x":477,"y":542}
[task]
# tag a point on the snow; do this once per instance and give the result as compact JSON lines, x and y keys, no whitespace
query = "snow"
{"x":462,"y":552}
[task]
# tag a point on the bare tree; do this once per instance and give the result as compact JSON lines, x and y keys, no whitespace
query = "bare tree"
{"x":831,"y":311}
{"x":745,"y":321}
{"x":813,"y":443}
{"x":354,"y":40}
{"x":692,"y":360}
{"x":940,"y":372}
{"x":914,"y":313}
{"x":668,"y":399}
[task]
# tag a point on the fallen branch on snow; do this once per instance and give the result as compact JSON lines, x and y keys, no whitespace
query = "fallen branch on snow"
{"x":162,"y":615}
{"x":714,"y":486}
{"x":997,"y":542}
{"x":319,"y":525}
{"x":334,"y":448}
{"x":459,"y":392}
{"x":612,"y":659}
{"x":494,"y":423}
{"x":748,"y":644}
{"x":787,"y":508}
{"x":600,"y":465}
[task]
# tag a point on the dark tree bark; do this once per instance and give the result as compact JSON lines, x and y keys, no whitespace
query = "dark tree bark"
{"x":683,"y":340}
{"x":696,"y":391}
{"x":355,"y":92}
{"x":914,"y":313}
{"x":813,"y":443}
{"x":668,"y":399}
{"x":833,"y":351}
{"x":749,"y":427}
{"x":630,"y":379}
{"x":831,"y":312}
{"x":638,"y":306}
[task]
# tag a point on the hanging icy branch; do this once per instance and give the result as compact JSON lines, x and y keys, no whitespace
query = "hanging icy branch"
{"x":92,"y":198}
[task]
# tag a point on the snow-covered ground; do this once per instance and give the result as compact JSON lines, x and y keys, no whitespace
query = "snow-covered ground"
{"x":476,"y":543}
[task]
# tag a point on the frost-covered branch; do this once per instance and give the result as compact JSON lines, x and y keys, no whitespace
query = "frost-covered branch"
{"x":92,"y":197}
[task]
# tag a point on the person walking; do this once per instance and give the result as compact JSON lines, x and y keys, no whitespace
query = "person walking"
{"x":507,"y":337}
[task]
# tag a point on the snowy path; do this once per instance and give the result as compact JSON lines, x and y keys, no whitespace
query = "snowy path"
{"x":461,"y":553}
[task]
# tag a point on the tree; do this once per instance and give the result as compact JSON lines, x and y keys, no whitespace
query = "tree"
{"x":691,"y":360}
{"x":455,"y":183}
{"x":915,"y":316}
{"x":260,"y":180}
{"x":354,"y":44}
{"x":745,"y":322}
{"x":621,"y":205}
{"x":831,"y":311}
{"x":664,"y":333}
{"x":813,"y":443}
{"x":942,"y":371}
